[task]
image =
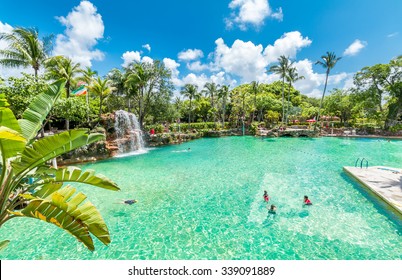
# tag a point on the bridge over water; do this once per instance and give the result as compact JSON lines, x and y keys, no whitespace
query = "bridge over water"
{"x":289,"y":132}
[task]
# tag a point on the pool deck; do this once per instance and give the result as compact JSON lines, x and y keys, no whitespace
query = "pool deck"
{"x":383,"y":181}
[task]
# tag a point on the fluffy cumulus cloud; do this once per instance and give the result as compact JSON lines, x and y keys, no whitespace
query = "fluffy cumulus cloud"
{"x":288,"y":45}
{"x":173,"y":66}
{"x":243,"y":59}
{"x":251,"y":12}
{"x":147,"y":47}
{"x":130,"y":56}
{"x":249,"y":61}
{"x":134,"y":56}
{"x":313,"y":82}
{"x":200,"y":80}
{"x":84,"y":28}
{"x":197,"y":66}
{"x":355,"y":48}
{"x":190,"y":55}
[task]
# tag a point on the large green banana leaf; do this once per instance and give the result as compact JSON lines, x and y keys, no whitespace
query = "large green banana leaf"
{"x":50,"y":147}
{"x":11,"y":141}
{"x":75,"y":174}
{"x":39,"y":108}
{"x":67,"y":211}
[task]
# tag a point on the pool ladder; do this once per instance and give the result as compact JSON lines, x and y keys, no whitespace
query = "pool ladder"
{"x":361,"y":162}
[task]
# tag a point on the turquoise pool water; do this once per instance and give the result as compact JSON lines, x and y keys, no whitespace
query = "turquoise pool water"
{"x":208,"y":204}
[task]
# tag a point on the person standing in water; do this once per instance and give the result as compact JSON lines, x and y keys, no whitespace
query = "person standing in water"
{"x":307,"y":201}
{"x":266,"y":197}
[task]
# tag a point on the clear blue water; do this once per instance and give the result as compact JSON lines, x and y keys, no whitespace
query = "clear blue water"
{"x":208,"y":204}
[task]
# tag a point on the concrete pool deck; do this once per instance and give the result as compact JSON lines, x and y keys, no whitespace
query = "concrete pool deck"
{"x":385,"y":182}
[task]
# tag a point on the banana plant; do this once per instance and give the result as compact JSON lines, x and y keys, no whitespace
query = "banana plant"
{"x":29,"y":187}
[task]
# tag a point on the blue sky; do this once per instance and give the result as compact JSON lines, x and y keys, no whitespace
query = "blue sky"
{"x":226,"y":41}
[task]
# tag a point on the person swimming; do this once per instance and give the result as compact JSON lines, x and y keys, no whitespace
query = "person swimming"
{"x":307,"y":201}
{"x":272,"y":209}
{"x":130,"y":201}
{"x":266,"y":197}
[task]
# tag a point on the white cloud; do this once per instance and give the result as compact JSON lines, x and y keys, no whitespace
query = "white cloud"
{"x":190,"y":54}
{"x":6,"y":72}
{"x":173,"y":66}
{"x":251,"y":12}
{"x":4,"y":28}
{"x":147,"y":59}
{"x":288,"y":45}
{"x":243,"y":59}
{"x":348,"y":84}
{"x":196,"y":66}
{"x":249,"y":61}
{"x":84,"y":27}
{"x":393,"y":34}
{"x":130,"y":56}
{"x":313,"y":83}
{"x":134,"y":56}
{"x":355,"y":48}
{"x":220,"y":78}
{"x":147,"y":47}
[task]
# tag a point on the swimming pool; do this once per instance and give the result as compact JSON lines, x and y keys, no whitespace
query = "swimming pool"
{"x":208,"y":204}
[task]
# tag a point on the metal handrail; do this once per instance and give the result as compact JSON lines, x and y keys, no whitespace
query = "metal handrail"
{"x":357,"y":160}
{"x":361,"y":161}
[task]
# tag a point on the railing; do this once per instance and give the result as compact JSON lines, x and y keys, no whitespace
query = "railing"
{"x":361,"y":162}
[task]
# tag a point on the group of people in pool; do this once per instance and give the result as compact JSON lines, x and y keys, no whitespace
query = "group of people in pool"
{"x":272,"y":208}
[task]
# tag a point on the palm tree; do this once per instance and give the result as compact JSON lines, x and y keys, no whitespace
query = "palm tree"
{"x":255,"y":88}
{"x":101,"y":88}
{"x":60,"y":67}
{"x":291,"y":77}
{"x":211,"y":90}
{"x":25,"y":49}
{"x":190,"y":91}
{"x":243,"y":94}
{"x":137,"y":78}
{"x":223,"y":94}
{"x":88,"y":77}
{"x":24,"y":158}
{"x":281,"y":69}
{"x":329,"y":61}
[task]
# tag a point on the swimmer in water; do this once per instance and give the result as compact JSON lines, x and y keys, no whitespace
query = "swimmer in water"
{"x":272,"y":209}
{"x":266,"y":197}
{"x":129,"y":201}
{"x":307,"y":201}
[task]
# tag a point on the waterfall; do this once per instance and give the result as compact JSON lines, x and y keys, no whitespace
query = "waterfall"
{"x":128,"y":132}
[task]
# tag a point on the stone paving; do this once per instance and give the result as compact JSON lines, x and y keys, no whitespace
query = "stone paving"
{"x":385,"y":182}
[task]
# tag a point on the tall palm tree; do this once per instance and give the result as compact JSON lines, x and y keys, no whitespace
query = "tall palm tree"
{"x":223,"y":94}
{"x":60,"y":67}
{"x":137,"y":78}
{"x":101,"y":88}
{"x":190,"y":91}
{"x":292,"y":76}
{"x":88,"y":76}
{"x":328,"y":62}
{"x":211,"y":90}
{"x":281,"y":69}
{"x":255,"y":89}
{"x":25,"y":49}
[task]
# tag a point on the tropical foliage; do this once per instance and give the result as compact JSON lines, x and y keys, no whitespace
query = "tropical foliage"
{"x":30,"y":188}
